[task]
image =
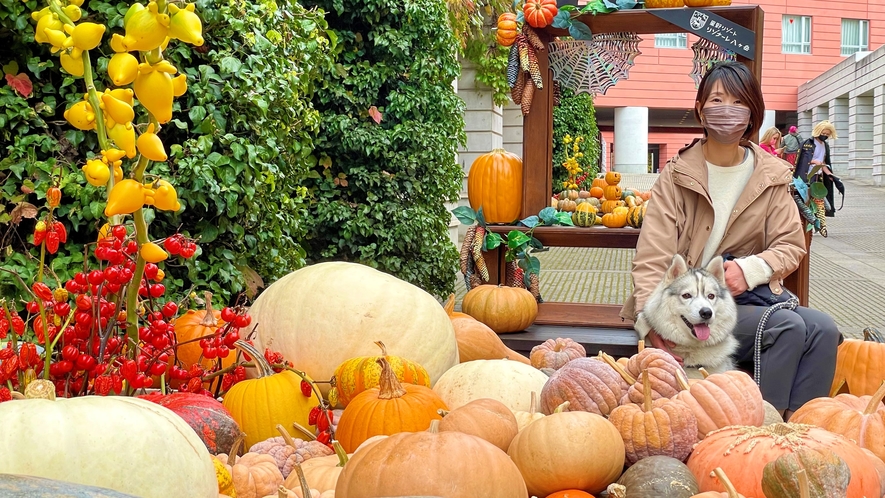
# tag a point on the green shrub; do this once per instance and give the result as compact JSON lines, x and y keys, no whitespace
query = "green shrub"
{"x":240,"y":141}
{"x":575,"y":116}
{"x":379,"y":189}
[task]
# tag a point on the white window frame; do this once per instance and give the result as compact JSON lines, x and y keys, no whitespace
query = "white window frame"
{"x":671,"y":40}
{"x":858,"y":45}
{"x":796,"y":36}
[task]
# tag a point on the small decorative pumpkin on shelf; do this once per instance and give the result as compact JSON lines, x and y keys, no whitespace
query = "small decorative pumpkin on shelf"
{"x":540,"y":13}
{"x":617,"y":218}
{"x":664,"y":427}
{"x":495,"y":185}
{"x":585,"y":215}
{"x":566,"y":205}
{"x":504,"y":309}
{"x":390,"y":408}
{"x":555,"y":353}
{"x":507,"y":29}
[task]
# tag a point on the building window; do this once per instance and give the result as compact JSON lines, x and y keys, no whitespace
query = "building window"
{"x":855,"y":36}
{"x":796,"y":35}
{"x":671,"y":40}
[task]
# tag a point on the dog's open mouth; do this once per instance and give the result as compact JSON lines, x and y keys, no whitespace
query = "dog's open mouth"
{"x":701,"y":331}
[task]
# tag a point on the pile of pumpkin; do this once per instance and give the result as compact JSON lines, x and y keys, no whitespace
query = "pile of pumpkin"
{"x":442,"y":398}
{"x":606,"y":203}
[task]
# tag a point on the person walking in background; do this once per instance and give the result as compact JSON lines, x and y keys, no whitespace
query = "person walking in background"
{"x":770,"y":141}
{"x":792,"y":141}
{"x":816,"y":152}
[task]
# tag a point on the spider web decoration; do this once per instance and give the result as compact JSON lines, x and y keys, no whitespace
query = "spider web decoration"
{"x":707,"y":53}
{"x":593,"y":66}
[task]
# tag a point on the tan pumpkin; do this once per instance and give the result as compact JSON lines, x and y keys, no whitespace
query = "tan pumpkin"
{"x":663,"y":370}
{"x":859,"y":418}
{"x":476,"y":341}
{"x":772,"y":414}
{"x":484,"y":418}
{"x":504,"y":380}
{"x":572,"y":195}
{"x":664,"y":427}
{"x":321,"y":472}
{"x":504,"y":309}
{"x":824,"y":473}
{"x":507,"y":29}
{"x":566,"y":205}
{"x":555,"y":353}
{"x":587,"y":384}
{"x":724,"y":399}
{"x":568,"y":450}
{"x":612,"y":177}
{"x":742,"y":452}
{"x":431,"y":463}
{"x":524,"y":418}
{"x":494,"y":184}
{"x":584,"y":194}
{"x":253,"y":474}
{"x":390,"y":408}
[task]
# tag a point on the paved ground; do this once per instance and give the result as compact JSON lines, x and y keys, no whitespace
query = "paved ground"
{"x":847,"y":268}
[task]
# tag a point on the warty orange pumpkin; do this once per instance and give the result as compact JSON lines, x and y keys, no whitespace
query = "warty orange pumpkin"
{"x":358,"y":374}
{"x":390,"y":408}
{"x":258,"y":405}
{"x":495,"y":184}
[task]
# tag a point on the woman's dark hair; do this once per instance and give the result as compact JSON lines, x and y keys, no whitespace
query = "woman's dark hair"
{"x":737,"y":80}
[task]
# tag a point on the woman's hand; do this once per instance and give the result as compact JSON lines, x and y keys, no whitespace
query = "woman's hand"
{"x":663,"y":344}
{"x":734,"y":278}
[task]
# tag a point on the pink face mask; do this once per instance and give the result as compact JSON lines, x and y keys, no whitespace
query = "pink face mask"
{"x":726,"y":124}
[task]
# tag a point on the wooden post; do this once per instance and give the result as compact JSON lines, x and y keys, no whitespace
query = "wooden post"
{"x":537,"y":142}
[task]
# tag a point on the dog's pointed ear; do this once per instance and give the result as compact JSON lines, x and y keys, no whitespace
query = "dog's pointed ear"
{"x":677,"y":267}
{"x":716,"y":268}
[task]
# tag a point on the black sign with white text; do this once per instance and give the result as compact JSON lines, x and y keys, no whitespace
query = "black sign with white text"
{"x":710,"y":26}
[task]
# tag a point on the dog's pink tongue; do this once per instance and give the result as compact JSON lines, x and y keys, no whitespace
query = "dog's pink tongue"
{"x":702,"y":331}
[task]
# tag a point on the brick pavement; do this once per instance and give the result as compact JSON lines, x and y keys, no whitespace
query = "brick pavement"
{"x":847,"y":268}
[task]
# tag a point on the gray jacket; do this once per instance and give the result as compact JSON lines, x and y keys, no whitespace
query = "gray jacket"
{"x":792,"y":141}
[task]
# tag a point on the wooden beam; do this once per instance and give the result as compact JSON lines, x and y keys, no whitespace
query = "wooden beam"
{"x":643,"y":22}
{"x":537,"y":143}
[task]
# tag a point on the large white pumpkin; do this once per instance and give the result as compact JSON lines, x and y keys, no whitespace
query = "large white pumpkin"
{"x":116,"y":442}
{"x":507,"y":381}
{"x":324,"y":314}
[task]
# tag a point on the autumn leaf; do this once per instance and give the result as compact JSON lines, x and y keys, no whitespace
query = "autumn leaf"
{"x":21,"y":83}
{"x":252,"y":279}
{"x":23,"y":210}
{"x":375,"y":114}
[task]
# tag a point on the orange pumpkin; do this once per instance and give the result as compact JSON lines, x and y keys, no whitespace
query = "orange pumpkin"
{"x":612,"y":192}
{"x":358,"y":374}
{"x":476,"y":341}
{"x":596,"y":191}
{"x":857,"y":366}
{"x":193,"y":325}
{"x":570,"y":493}
{"x":390,"y":408}
{"x":609,"y":205}
{"x":723,"y":399}
{"x":598,"y":182}
{"x":612,"y":177}
{"x":859,"y":418}
{"x":615,"y":220}
{"x":730,"y":491}
{"x":507,"y":29}
{"x":540,"y":13}
{"x":742,"y":452}
{"x":495,"y":184}
{"x":504,"y":309}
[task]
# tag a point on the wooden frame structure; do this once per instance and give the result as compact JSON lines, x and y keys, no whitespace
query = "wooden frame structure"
{"x":538,"y":168}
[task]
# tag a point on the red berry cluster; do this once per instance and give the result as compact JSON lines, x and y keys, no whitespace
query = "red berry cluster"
{"x":179,"y":245}
{"x":322,"y":419}
{"x":222,"y":341}
{"x":14,"y":362}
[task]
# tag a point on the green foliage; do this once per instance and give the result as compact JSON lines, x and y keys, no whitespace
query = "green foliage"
{"x":379,"y":189}
{"x":490,"y":60}
{"x":473,"y":23}
{"x":575,"y":116}
{"x":240,"y":141}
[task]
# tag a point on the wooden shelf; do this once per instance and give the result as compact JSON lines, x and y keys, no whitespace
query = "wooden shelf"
{"x":565,"y":236}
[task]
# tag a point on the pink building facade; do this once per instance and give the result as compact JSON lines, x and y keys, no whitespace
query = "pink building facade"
{"x":802,"y":40}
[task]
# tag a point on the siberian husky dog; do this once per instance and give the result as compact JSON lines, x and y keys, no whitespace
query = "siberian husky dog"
{"x":693,"y":308}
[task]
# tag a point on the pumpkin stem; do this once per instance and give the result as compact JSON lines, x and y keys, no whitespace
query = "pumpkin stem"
{"x":450,"y":305}
{"x":282,"y":492}
{"x":261,"y":364}
{"x":681,"y":380}
{"x":704,"y":372}
{"x":40,"y":389}
{"x":389,"y":386}
{"x":383,"y":348}
{"x":305,"y":489}
{"x":209,"y":319}
{"x":804,"y":491}
{"x":610,"y":361}
{"x":562,"y":408}
{"x":729,"y":487}
{"x":616,"y":490}
{"x":646,"y":392}
{"x":300,"y":428}
{"x":339,"y":451}
{"x":434,"y":426}
{"x":640,"y":345}
{"x":234,"y":449}
{"x":442,"y":413}
{"x":533,"y":405}
{"x":286,"y":436}
{"x":873,"y":406}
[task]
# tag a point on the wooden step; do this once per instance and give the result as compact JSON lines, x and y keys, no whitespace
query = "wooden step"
{"x":614,"y":341}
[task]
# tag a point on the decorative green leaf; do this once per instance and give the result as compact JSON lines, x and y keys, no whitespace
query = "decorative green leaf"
{"x":530,"y":222}
{"x":493,"y":240}
{"x":465,"y":215}
{"x":562,"y":20}
{"x":818,"y":190}
{"x":536,"y":244}
{"x":564,"y":218}
{"x":517,"y":239}
{"x":480,"y":218}
{"x":580,"y":31}
{"x":548,"y":215}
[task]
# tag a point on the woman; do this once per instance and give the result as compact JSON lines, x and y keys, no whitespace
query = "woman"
{"x":792,"y":141}
{"x":770,"y":141}
{"x":723,"y":194}
{"x":816,"y":152}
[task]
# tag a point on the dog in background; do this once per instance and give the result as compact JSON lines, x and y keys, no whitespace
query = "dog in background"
{"x":693,"y":309}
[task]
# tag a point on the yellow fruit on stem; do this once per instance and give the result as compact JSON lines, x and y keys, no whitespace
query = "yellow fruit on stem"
{"x":150,"y":145}
{"x":123,"y":95}
{"x":125,"y":198}
{"x":97,"y":172}
{"x":119,"y":111}
{"x":123,"y":136}
{"x":73,"y":65}
{"x":117,"y":43}
{"x":123,"y":68}
{"x":81,"y":116}
{"x":152,"y":253}
{"x":145,"y":28}
{"x":154,"y":89}
{"x":165,"y":197}
{"x":85,"y":36}
{"x":185,"y":25}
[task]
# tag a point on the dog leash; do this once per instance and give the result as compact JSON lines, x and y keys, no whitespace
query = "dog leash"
{"x":790,"y":304}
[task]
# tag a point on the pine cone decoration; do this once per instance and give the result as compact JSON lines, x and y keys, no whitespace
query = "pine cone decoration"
{"x":557,"y":93}
{"x":524,"y":48}
{"x":466,"y":248}
{"x":532,"y":37}
{"x":478,"y":259}
{"x":535,"y":288}
{"x":514,"y":275}
{"x":527,"y":94}
{"x":513,"y":65}
{"x":535,"y":69}
{"x":516,"y":92}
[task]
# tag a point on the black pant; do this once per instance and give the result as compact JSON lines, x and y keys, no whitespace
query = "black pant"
{"x":798,"y":353}
{"x":831,"y":195}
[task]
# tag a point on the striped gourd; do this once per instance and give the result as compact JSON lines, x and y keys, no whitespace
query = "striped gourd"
{"x":362,"y":373}
{"x":584,"y":215}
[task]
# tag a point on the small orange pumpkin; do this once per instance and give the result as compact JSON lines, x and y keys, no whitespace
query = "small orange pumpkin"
{"x":495,"y":184}
{"x":612,"y":177}
{"x":609,"y":205}
{"x":598,"y":182}
{"x":195,"y":324}
{"x":597,"y":191}
{"x":504,"y":309}
{"x":358,"y":374}
{"x":540,"y":13}
{"x":612,"y":192}
{"x":507,"y":29}
{"x":615,"y":220}
{"x":570,"y":493}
